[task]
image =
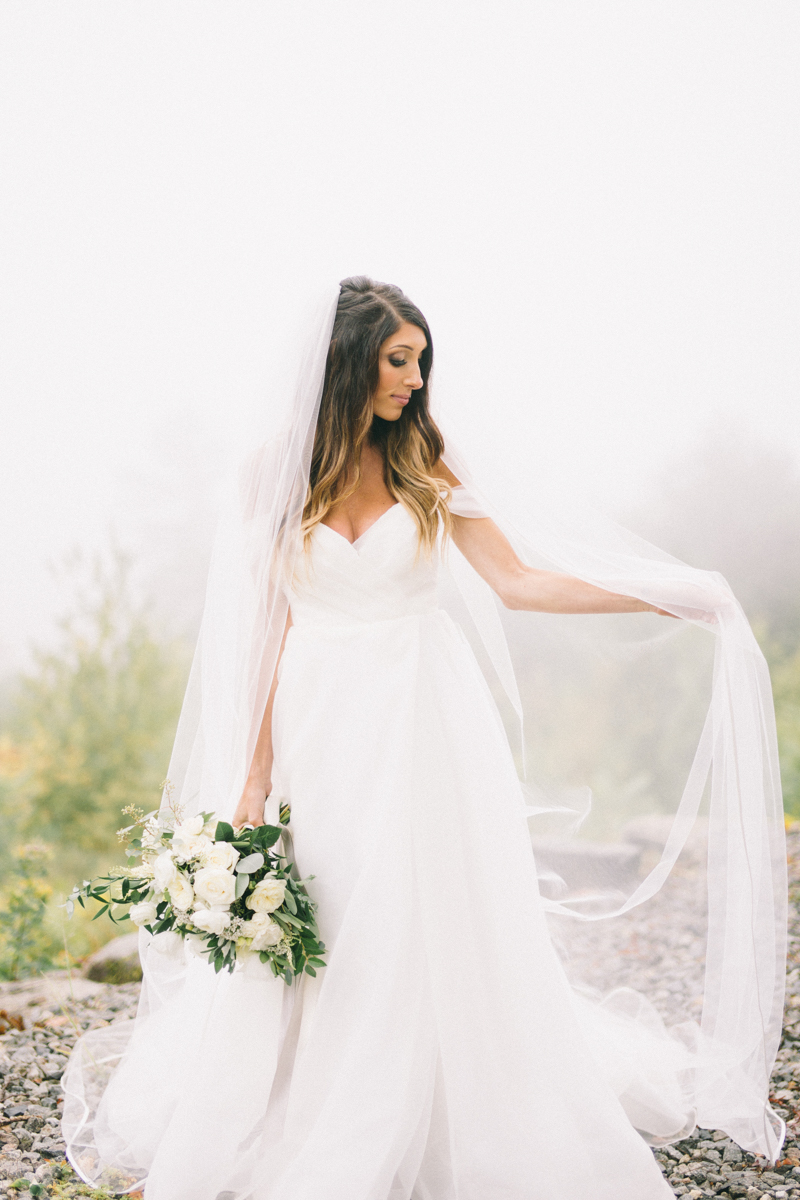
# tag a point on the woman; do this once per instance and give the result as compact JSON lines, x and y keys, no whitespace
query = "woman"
{"x":441,"y":1055}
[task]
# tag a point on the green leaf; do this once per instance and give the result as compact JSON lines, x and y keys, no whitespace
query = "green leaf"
{"x":100,"y":912}
{"x":248,"y":865}
{"x":224,"y":832}
{"x":290,"y":902}
{"x":310,"y":970}
{"x":293,"y":921}
{"x":242,"y":884}
{"x":268,"y":835}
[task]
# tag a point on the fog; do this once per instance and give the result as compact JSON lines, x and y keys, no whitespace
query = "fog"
{"x":595,"y":205}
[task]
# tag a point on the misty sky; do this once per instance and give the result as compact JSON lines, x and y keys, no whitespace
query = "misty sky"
{"x":596,"y":206}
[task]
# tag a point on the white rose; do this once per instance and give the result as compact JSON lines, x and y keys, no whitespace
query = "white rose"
{"x":220,"y":854}
{"x":267,"y":895}
{"x":143,"y":913}
{"x":164,"y":870}
{"x":180,"y":892}
{"x":214,"y":886}
{"x":263,"y":930}
{"x":190,"y":827}
{"x":188,"y":846}
{"x":211,"y":920}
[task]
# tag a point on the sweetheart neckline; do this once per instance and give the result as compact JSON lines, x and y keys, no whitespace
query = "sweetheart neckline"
{"x":369,"y":528}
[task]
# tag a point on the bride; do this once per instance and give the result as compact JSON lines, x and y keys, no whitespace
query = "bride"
{"x":441,"y":1054}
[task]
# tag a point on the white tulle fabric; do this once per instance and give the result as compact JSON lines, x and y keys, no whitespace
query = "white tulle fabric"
{"x":442,"y":1053}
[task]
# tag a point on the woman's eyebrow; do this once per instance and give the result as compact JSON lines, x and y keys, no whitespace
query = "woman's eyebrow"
{"x":411,"y":348}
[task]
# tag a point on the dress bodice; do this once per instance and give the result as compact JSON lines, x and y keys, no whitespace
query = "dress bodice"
{"x":383,"y":575}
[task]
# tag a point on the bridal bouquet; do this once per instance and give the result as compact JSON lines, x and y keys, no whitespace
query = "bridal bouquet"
{"x":223,"y":888}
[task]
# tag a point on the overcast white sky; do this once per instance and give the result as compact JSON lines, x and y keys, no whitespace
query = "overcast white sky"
{"x":595,"y":204}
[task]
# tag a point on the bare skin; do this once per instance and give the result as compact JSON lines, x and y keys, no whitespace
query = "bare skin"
{"x":481,"y":542}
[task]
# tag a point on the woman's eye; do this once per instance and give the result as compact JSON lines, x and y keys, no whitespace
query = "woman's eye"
{"x":397,"y":362}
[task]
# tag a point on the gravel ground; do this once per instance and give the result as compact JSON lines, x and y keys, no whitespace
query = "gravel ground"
{"x":55,"y":1011}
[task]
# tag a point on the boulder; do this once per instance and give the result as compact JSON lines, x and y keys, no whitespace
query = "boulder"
{"x":585,"y":865}
{"x":116,"y":962}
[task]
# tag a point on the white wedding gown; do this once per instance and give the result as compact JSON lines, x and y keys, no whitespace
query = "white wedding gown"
{"x":441,"y":1055}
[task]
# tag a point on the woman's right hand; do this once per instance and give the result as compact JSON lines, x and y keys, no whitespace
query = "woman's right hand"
{"x":250,"y":809}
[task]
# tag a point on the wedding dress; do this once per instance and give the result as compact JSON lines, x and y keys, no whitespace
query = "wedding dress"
{"x":441,"y":1054}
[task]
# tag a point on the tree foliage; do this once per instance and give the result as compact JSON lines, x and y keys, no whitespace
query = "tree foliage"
{"x":94,"y":721}
{"x":87,"y":733}
{"x":24,"y":945}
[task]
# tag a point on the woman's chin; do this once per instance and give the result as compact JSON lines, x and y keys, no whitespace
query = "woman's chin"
{"x":393,"y":413}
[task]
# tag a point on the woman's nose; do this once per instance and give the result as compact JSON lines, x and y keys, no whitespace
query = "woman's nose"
{"x":414,"y":381}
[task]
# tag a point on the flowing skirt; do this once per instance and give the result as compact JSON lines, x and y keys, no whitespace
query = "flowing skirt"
{"x":441,"y":1055}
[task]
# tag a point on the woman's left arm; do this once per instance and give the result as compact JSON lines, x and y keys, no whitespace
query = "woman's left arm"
{"x":489,"y":551}
{"x":518,"y":586}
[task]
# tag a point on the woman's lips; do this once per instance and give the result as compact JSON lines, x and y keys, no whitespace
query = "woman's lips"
{"x":401,"y":399}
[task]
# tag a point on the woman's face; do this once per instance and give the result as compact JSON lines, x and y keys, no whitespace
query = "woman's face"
{"x":398,"y":371}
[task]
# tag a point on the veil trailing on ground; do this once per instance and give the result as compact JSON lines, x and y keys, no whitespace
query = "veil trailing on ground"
{"x":646,"y":751}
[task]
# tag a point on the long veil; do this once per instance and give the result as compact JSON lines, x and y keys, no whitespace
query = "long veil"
{"x":646,"y":752}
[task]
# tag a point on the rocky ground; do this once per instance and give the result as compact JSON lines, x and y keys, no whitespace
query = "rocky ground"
{"x":39,"y":1025}
{"x":41,"y":1019}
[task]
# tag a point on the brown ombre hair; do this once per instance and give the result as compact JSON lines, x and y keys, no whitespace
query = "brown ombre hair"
{"x":367,"y":314}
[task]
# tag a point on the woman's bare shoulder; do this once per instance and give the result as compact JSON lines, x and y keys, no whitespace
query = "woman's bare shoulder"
{"x":442,"y":471}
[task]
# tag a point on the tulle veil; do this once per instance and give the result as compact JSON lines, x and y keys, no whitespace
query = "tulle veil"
{"x":646,"y":747}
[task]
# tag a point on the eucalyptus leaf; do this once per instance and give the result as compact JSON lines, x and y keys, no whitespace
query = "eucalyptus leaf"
{"x":242,"y":884}
{"x":248,"y":865}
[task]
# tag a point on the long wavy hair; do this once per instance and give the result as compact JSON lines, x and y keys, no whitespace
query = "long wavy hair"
{"x":367,"y":314}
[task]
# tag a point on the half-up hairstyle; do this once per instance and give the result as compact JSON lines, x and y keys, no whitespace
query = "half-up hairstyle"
{"x":367,"y":314}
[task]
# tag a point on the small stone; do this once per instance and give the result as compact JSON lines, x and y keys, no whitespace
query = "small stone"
{"x":13,"y":1169}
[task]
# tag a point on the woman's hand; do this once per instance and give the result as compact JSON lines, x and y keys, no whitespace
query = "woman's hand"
{"x":250,"y":809}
